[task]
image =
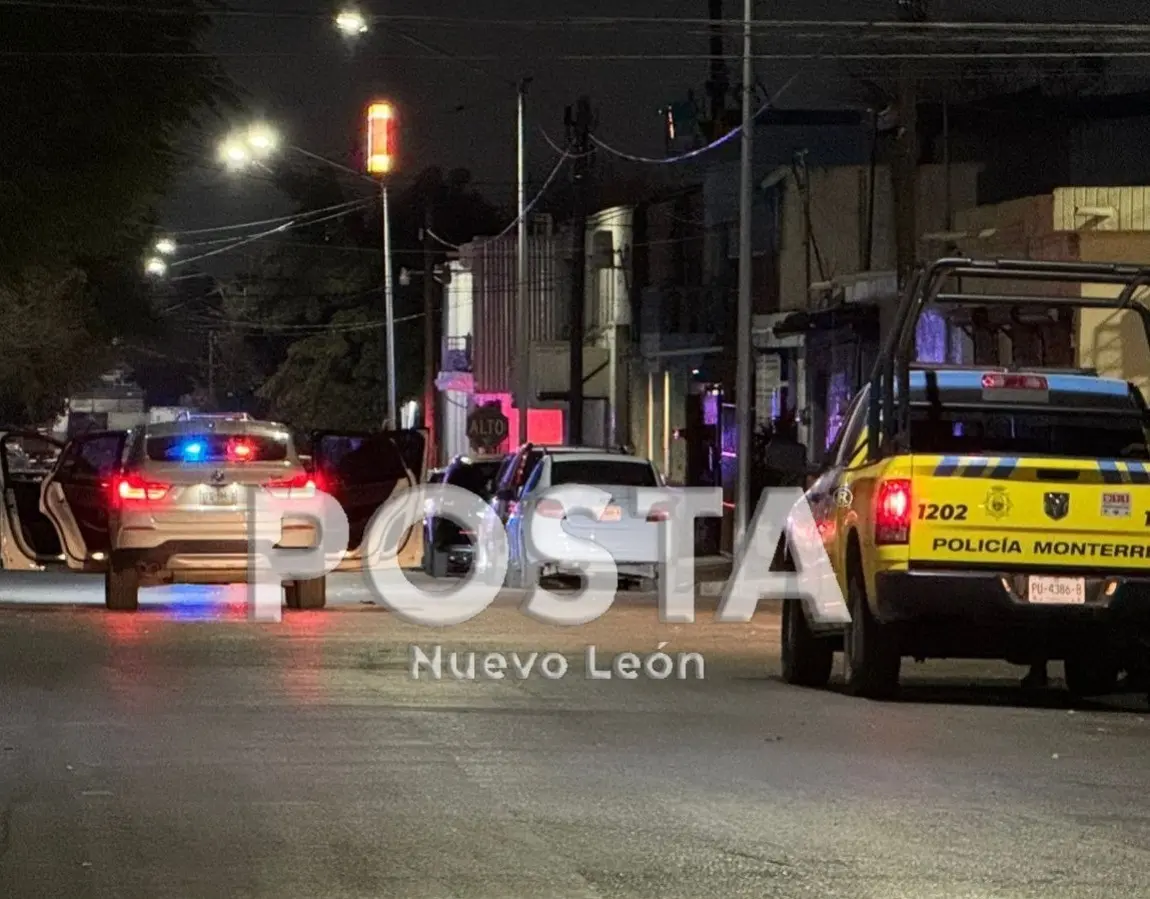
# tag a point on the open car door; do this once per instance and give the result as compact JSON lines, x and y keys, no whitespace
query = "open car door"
{"x":363,"y":471}
{"x":76,"y":497}
{"x":28,"y":541}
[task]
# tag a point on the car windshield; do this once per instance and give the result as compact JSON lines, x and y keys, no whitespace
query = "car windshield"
{"x":217,"y":448}
{"x":615,"y":472}
{"x":477,"y":477}
{"x":1056,"y":435}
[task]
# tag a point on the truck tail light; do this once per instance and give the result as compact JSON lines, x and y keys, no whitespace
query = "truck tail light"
{"x":131,"y":488}
{"x":1002,"y":381}
{"x":892,"y":513}
{"x":298,"y":487}
{"x":659,"y":512}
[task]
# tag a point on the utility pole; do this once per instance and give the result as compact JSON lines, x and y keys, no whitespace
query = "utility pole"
{"x":744,"y":395}
{"x":430,"y":329}
{"x":904,"y":165}
{"x":389,"y":308}
{"x":578,"y":122}
{"x":718,"y":84}
{"x":522,"y":299}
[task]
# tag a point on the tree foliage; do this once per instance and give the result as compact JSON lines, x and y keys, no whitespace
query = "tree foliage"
{"x":313,"y":314}
{"x":93,"y":134}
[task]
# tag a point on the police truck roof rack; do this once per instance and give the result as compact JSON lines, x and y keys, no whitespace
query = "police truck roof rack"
{"x":946,"y":282}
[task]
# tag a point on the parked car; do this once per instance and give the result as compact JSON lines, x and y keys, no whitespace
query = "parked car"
{"x":448,"y":547}
{"x":626,"y":530}
{"x":164,"y":503}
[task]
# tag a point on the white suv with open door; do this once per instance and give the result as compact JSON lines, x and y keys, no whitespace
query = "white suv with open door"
{"x":167,"y":503}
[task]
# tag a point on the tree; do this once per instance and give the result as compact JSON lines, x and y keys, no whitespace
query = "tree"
{"x":316,"y":317}
{"x":90,"y":142}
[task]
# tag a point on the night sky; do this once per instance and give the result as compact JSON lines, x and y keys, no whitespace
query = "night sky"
{"x":301,"y":75}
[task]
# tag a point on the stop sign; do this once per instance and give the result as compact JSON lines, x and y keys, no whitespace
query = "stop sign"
{"x":487,"y":428}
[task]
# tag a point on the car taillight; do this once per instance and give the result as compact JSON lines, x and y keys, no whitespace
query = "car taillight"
{"x":298,"y":487}
{"x":659,"y":512}
{"x":892,"y":513}
{"x":1000,"y":381}
{"x":241,"y":451}
{"x":551,"y":508}
{"x":134,"y":489}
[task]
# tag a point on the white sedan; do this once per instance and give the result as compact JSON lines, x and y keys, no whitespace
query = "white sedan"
{"x":622,"y":527}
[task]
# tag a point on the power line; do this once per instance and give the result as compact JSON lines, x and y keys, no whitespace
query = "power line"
{"x":157,"y":56}
{"x":259,"y":224}
{"x":263,"y":234}
{"x":598,"y":22}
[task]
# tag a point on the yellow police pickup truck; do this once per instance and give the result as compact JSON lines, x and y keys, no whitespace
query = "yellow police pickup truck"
{"x":1003,"y":514}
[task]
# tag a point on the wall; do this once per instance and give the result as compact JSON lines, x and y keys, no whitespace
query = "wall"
{"x":492,"y":263}
{"x":839,"y":197}
{"x":1040,"y":228}
{"x":1115,"y":342}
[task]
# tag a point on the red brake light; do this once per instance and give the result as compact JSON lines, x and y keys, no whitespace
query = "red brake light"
{"x":659,"y":512}
{"x":134,"y":489}
{"x":551,"y":508}
{"x":300,"y":485}
{"x":999,"y":381}
{"x":892,"y":513}
{"x":240,"y":451}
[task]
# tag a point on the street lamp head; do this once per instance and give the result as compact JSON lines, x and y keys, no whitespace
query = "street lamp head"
{"x":351,"y":23}
{"x":234,"y":153}
{"x":262,"y":139}
{"x":381,"y":135}
{"x":156,"y":267}
{"x":165,"y":246}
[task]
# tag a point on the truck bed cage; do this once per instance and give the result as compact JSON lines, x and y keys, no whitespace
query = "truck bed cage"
{"x":940,"y":283}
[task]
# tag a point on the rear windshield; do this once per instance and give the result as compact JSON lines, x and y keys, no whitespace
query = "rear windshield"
{"x":1058,"y":435}
{"x":615,"y":472}
{"x":216,"y":448}
{"x":479,"y":478}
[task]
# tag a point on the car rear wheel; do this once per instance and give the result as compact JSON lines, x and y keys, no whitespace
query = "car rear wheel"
{"x":307,"y":594}
{"x":121,"y":586}
{"x":1091,"y":674}
{"x":807,"y":658}
{"x":870,"y":650}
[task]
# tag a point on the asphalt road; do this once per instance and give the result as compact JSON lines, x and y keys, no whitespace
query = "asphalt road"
{"x":184,"y":752}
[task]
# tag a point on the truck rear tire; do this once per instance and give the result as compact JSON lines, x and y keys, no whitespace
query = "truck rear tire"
{"x":872,"y":655}
{"x":121,"y":586}
{"x":807,"y":658}
{"x":307,"y":594}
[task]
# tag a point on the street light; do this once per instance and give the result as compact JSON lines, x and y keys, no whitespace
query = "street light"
{"x":239,"y":150}
{"x":381,"y":130}
{"x":156,"y":267}
{"x":351,"y":23}
{"x":165,"y":246}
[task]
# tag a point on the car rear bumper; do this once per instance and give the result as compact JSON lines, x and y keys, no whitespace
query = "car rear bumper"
{"x":996,"y":595}
{"x":637,"y":570}
{"x":189,"y":556}
{"x":964,"y":614}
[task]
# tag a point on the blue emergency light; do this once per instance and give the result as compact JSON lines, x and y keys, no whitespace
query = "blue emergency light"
{"x":192,"y":452}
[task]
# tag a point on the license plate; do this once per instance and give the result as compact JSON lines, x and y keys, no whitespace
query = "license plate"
{"x":219,"y":496}
{"x":612,"y":513}
{"x":1058,"y":591}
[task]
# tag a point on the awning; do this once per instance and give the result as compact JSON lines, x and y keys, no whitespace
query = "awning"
{"x":856,"y":315}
